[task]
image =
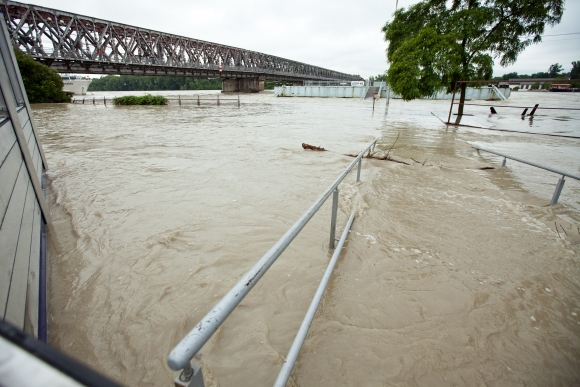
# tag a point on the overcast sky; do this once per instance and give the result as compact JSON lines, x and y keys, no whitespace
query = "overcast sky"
{"x":340,"y":35}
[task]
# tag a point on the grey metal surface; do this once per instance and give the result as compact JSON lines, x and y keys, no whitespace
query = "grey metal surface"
{"x":559,"y":172}
{"x":333,"y":218}
{"x":288,"y":365}
{"x":182,"y":353}
{"x":21,"y":200}
{"x":80,"y":44}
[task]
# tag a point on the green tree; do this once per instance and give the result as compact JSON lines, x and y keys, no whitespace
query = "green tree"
{"x":510,"y":76}
{"x":435,"y":43}
{"x":42,"y":84}
{"x":555,"y":70}
{"x":575,"y":73}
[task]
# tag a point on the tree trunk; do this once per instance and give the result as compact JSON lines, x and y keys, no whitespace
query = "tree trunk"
{"x":462,"y":89}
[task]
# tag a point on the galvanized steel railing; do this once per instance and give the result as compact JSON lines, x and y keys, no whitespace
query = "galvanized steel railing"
{"x":180,"y":357}
{"x":560,"y":184}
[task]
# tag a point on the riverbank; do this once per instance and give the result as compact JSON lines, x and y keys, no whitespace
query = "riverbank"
{"x":159,"y":210}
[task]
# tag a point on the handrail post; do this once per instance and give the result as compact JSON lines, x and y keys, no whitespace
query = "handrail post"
{"x":333,"y":218}
{"x":358,"y":170}
{"x":557,"y":191}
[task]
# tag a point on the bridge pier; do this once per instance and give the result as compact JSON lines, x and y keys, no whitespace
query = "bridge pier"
{"x":243,"y":85}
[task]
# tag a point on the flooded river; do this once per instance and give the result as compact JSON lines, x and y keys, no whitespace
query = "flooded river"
{"x":451,"y":275}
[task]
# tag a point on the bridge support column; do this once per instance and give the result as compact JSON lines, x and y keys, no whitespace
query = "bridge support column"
{"x":243,"y":85}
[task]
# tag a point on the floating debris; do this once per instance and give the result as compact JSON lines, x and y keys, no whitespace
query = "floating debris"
{"x":312,"y":147}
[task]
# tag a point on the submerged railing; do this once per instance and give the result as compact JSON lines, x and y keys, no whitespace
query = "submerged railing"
{"x":180,"y":357}
{"x":560,"y":184}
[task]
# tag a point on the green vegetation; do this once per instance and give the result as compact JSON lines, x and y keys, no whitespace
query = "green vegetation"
{"x":42,"y":84}
{"x":142,"y":100}
{"x":144,"y":83}
{"x":435,"y":43}
{"x":575,"y":72}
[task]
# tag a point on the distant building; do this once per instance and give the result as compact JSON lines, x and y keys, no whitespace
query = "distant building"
{"x":526,"y":84}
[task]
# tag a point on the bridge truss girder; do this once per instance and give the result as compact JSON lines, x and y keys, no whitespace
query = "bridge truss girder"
{"x":80,"y":44}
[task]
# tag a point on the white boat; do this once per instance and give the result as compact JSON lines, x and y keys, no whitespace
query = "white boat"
{"x":75,"y":84}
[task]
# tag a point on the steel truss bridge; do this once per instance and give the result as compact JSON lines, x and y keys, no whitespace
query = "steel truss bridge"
{"x":73,"y":43}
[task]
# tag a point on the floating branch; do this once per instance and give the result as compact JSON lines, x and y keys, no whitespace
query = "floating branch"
{"x":384,"y":158}
{"x":312,"y":147}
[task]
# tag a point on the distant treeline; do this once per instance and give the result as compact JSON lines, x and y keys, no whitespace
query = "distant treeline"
{"x":137,"y":82}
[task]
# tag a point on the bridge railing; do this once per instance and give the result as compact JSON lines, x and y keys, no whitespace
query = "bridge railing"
{"x":181,"y":355}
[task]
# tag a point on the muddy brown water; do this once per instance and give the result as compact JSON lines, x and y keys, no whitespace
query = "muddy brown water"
{"x":451,"y":275}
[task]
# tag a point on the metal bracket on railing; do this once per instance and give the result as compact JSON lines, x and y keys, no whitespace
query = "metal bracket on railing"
{"x":191,"y":376}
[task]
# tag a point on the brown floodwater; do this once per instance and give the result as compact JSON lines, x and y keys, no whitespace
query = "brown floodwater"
{"x":451,"y":275}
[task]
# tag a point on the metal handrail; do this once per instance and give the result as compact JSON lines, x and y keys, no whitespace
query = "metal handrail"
{"x":182,"y":353}
{"x":560,"y":184}
{"x":292,"y":356}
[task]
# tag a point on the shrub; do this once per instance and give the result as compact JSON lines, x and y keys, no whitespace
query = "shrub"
{"x":143,"y":100}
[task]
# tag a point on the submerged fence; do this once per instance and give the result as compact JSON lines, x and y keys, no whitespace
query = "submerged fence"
{"x":198,"y":100}
{"x":180,"y":357}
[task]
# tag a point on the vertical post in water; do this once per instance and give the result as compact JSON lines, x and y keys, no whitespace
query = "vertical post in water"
{"x":452,"y":101}
{"x":374,"y":99}
{"x":218,"y":100}
{"x":83,"y":100}
{"x":557,"y":191}
{"x":503,"y":162}
{"x":179,"y":98}
{"x":333,"y":218}
{"x":93,"y":100}
{"x":358,"y":171}
{"x":238,"y":100}
{"x":198,"y":100}
{"x":534,"y":109}
{"x":104,"y":101}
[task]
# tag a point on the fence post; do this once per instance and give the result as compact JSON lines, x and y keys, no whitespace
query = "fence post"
{"x":333,"y":218}
{"x":557,"y":191}
{"x":358,"y":171}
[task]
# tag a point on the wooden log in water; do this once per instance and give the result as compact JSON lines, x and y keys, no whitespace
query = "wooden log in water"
{"x":312,"y":147}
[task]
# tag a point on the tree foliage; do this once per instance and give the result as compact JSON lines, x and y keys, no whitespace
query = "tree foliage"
{"x":435,"y":43}
{"x":144,"y":83}
{"x":555,"y":70}
{"x":42,"y":84}
{"x":575,"y":73}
